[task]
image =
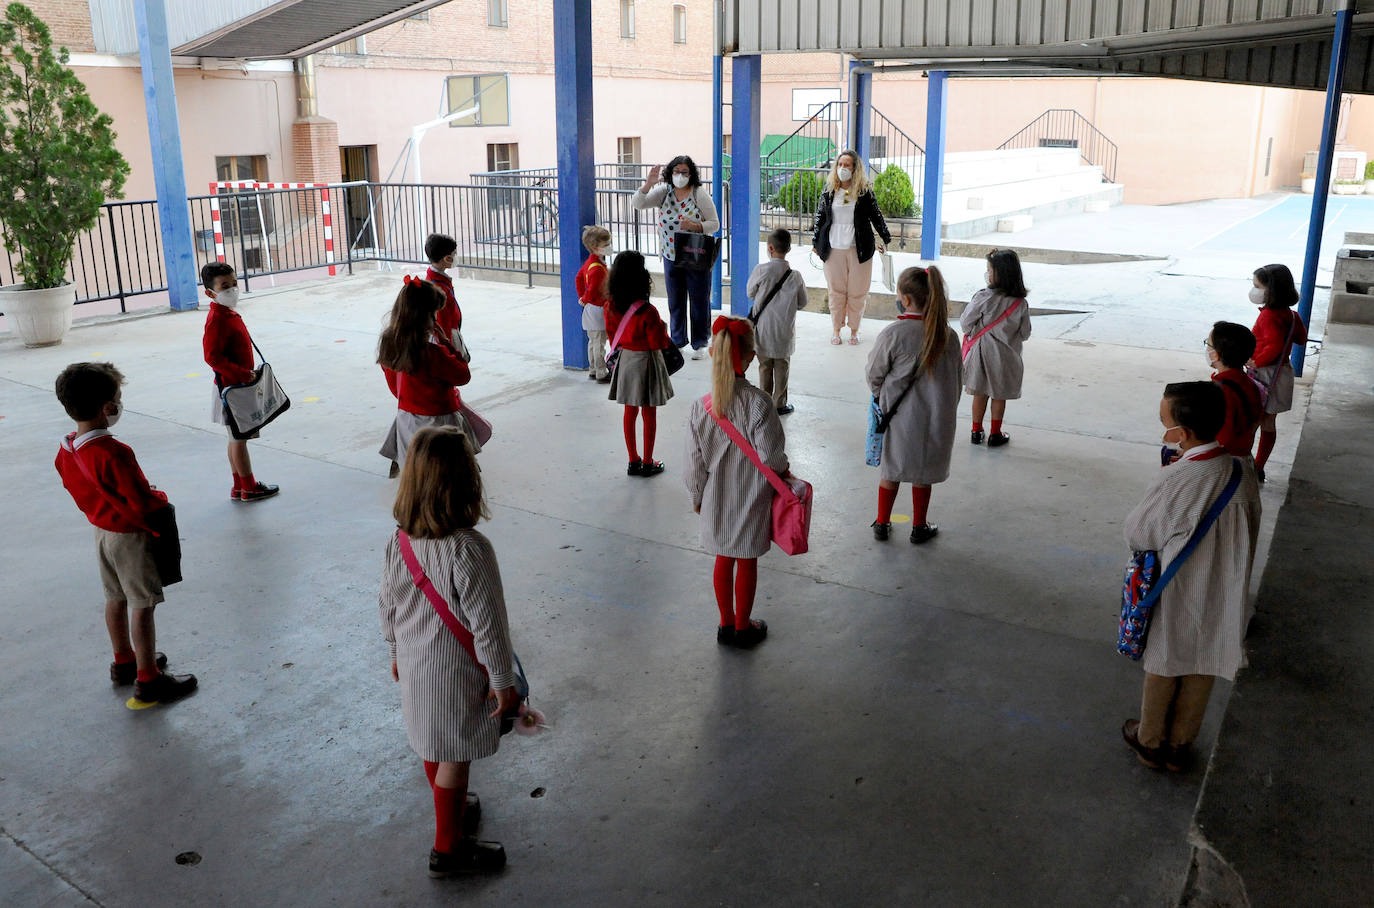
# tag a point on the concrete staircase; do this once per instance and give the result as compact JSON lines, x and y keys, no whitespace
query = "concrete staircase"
{"x":1010,"y":189}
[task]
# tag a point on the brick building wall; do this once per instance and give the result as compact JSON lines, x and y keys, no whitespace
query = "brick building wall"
{"x":69,"y":21}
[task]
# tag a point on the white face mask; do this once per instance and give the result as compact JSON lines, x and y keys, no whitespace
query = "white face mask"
{"x":680,"y":180}
{"x":604,"y":251}
{"x":1257,"y":295}
{"x":229,"y":296}
{"x":844,"y":173}
{"x":1165,"y":437}
{"x":114,"y":417}
{"x":1212,"y":362}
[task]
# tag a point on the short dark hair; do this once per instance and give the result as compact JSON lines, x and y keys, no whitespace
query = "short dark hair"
{"x":1279,"y":290}
{"x":1006,"y":273}
{"x":83,"y":388}
{"x":211,"y":270}
{"x":629,"y":281}
{"x":439,"y":245}
{"x":694,"y":180}
{"x":1199,"y":406}
{"x":1235,"y":344}
{"x":781,"y":240}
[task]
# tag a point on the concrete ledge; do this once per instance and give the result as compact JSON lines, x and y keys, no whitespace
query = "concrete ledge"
{"x":1286,"y":804}
{"x":1351,"y":308}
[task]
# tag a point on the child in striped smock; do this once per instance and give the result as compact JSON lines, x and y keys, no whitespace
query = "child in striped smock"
{"x":640,"y":379}
{"x":915,"y":372}
{"x":995,"y":323}
{"x":452,"y":694}
{"x":732,"y":496}
{"x":423,"y":368}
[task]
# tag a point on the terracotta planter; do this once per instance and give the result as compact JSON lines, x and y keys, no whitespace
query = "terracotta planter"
{"x":40,"y":318}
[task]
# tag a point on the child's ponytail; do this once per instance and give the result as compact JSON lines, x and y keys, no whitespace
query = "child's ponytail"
{"x":732,"y":342}
{"x":926,"y":288}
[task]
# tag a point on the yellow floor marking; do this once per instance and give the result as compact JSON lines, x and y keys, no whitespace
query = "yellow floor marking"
{"x":310,"y":400}
{"x":193,"y":375}
{"x":135,"y":703}
{"x":900,"y":518}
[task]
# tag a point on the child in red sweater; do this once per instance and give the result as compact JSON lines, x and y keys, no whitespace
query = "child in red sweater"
{"x":592,"y":295}
{"x":1229,"y":347}
{"x":229,"y":352}
{"x":422,"y":369}
{"x":640,"y":378}
{"x":1276,"y":330}
{"x":106,"y":483}
{"x":442,"y":251}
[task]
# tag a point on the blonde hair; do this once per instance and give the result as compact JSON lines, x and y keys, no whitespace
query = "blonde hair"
{"x":723,"y":365}
{"x":926,"y":288}
{"x":594,"y":237}
{"x":441,"y":485}
{"x":858,"y":184}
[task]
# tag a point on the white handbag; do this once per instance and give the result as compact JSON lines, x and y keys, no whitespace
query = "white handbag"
{"x":889,"y":277}
{"x":250,"y":406}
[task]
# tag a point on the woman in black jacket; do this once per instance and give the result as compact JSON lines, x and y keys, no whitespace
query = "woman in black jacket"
{"x":845,"y":223}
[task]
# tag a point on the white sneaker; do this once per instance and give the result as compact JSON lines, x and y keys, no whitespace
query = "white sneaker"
{"x":698,"y":354}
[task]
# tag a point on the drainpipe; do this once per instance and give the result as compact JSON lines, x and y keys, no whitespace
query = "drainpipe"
{"x":307,"y":105}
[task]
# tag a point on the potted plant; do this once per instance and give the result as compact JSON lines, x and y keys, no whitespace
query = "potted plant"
{"x":58,"y":165}
{"x":1309,"y":183}
{"x":1369,"y":178}
{"x":1349,"y":187}
{"x":894,"y":193}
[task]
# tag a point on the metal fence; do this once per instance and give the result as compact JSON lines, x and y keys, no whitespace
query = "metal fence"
{"x":1065,"y":128}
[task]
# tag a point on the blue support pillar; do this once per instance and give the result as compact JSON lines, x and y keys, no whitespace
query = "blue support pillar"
{"x":164,"y":134}
{"x":746,"y":84}
{"x":1340,"y":48}
{"x":572,"y":56}
{"x":937,"y":98}
{"x":717,"y":162}
{"x":860,"y":110}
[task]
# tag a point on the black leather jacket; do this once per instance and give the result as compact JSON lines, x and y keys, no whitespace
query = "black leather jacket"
{"x":867,"y":218}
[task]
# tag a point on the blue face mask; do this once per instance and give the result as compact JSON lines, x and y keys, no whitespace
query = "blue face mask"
{"x":897,"y":304}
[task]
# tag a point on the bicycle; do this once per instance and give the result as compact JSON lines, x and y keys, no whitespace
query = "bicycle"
{"x":541,"y":216}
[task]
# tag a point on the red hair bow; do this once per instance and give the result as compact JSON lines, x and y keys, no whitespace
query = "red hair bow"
{"x":411,"y":280}
{"x":737,"y":328}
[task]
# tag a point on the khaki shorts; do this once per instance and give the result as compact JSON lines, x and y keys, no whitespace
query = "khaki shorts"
{"x":127,"y":571}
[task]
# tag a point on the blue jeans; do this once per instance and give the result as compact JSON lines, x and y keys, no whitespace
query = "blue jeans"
{"x":686,"y":285}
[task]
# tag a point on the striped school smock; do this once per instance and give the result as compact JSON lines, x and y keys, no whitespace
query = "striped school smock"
{"x":736,"y":500}
{"x":1198,"y":625}
{"x":443,"y":691}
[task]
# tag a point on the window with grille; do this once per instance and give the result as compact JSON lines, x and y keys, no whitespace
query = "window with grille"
{"x":489,"y":93}
{"x":627,"y":156}
{"x":497,"y":14}
{"x":679,"y":24}
{"x":503,"y":156}
{"x":627,"y":18}
{"x":877,"y":146}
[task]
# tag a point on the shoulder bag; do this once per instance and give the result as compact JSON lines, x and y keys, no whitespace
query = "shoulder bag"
{"x":1144,"y":583}
{"x":465,"y":639}
{"x":769,"y":298}
{"x":613,"y":356}
{"x":251,"y":405}
{"x":692,"y":250}
{"x":1259,"y":375}
{"x":878,"y":421}
{"x":791,"y":528}
{"x":970,"y":341}
{"x":161,"y":526}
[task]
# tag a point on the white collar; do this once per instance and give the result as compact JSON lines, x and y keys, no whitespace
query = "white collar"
{"x":1195,"y":453}
{"x":76,"y":443}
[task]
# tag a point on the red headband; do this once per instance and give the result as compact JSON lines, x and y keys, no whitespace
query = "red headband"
{"x":737,"y":328}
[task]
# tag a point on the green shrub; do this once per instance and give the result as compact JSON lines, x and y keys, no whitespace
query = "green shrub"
{"x":1369,"y":171}
{"x":895,"y":195}
{"x":802,"y":191}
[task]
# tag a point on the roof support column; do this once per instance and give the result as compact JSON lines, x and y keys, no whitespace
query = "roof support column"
{"x":746,"y":79}
{"x":860,"y":110}
{"x":572,"y":56}
{"x":164,"y":135}
{"x":1340,"y":49}
{"x":937,"y":98}
{"x":717,"y":156}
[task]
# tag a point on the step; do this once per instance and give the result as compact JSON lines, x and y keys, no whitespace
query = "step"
{"x":977,"y":223}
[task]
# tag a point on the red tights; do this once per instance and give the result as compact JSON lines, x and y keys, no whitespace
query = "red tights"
{"x":736,"y":580}
{"x":650,"y":431}
{"x":448,"y":812}
{"x":920,"y":504}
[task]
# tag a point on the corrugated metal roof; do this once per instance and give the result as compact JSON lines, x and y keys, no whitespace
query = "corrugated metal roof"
{"x":251,"y":29}
{"x":1261,"y":42}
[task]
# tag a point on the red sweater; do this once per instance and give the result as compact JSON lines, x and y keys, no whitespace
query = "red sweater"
{"x":430,"y":391}
{"x":1243,"y":411}
{"x":228,"y":349}
{"x":116,"y":471}
{"x":450,"y":318}
{"x":1271,"y":332}
{"x":591,"y":282}
{"x":646,"y":330}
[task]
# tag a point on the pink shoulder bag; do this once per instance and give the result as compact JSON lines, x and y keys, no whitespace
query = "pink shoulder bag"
{"x":791,"y":501}
{"x":970,"y":341}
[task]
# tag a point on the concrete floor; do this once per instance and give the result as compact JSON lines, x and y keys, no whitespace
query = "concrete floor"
{"x":934,"y":726}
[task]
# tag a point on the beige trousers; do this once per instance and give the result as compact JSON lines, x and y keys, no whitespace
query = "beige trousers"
{"x":1171,"y":709}
{"x":773,"y":378}
{"x":848,"y":281}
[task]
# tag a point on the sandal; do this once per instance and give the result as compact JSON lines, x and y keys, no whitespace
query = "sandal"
{"x":835,"y":341}
{"x":853,"y":340}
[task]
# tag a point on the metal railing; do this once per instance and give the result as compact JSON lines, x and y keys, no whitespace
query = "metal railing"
{"x":1065,"y":128}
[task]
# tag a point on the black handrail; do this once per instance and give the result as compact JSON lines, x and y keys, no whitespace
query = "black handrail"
{"x":1061,"y":127}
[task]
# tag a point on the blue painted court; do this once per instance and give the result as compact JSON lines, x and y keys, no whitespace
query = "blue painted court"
{"x":1281,"y":231}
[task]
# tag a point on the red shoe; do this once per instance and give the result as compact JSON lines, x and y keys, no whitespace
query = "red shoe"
{"x":258,"y":492}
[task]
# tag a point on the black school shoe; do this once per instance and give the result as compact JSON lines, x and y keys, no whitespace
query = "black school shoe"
{"x":650,"y":468}
{"x":164,"y":688}
{"x":634,"y":468}
{"x":924,"y":533}
{"x":752,"y":635}
{"x":1152,"y":757}
{"x":785,"y":409}
{"x":977,"y":437}
{"x":127,"y":673}
{"x":997,"y":439}
{"x":725,"y":635}
{"x":881,"y":531}
{"x":470,"y":856}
